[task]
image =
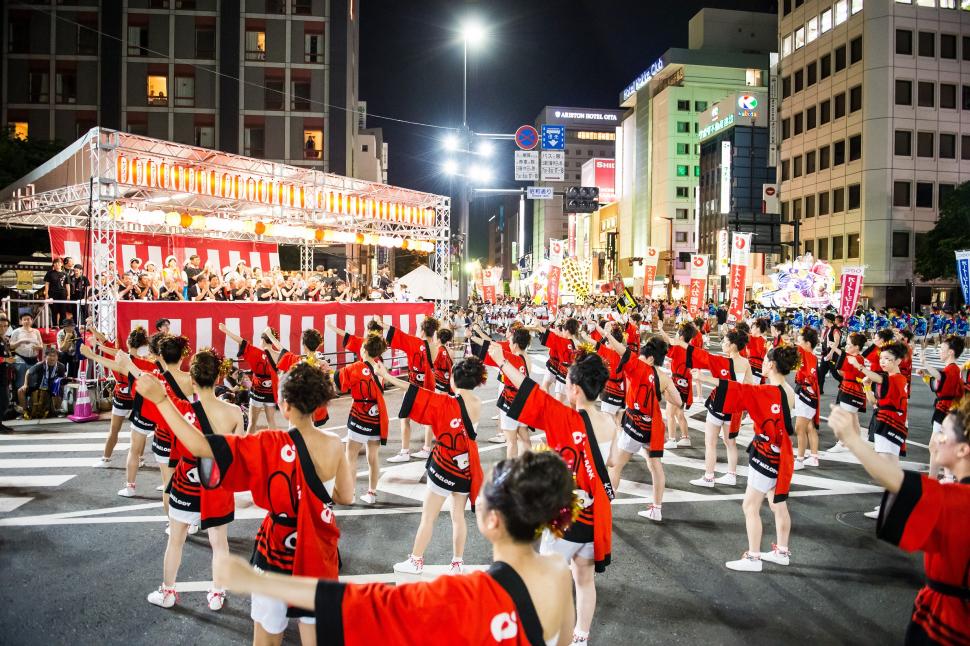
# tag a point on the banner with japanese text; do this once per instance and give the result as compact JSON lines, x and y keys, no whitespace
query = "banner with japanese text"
{"x":698,"y":283}
{"x":650,"y":270}
{"x":740,"y":257}
{"x":851,"y":288}
{"x":963,"y":273}
{"x":488,"y":284}
{"x":556,"y":252}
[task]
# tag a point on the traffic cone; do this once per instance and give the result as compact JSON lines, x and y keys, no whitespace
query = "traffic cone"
{"x":82,"y":407}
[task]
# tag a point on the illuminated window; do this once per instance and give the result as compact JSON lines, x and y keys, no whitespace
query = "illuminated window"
{"x":786,"y":45}
{"x":826,"y":21}
{"x":157,"y":90}
{"x":313,"y":48}
{"x":683,"y":170}
{"x":255,"y":45}
{"x":18,"y":129}
{"x":205,"y":136}
{"x":857,"y":6}
{"x":926,"y":3}
{"x":185,"y":91}
{"x":313,"y":144}
{"x":812,"y":29}
{"x":841,"y":12}
{"x":752,"y":78}
{"x":799,"y":38}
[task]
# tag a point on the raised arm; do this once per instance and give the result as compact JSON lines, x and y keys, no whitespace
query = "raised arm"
{"x":615,"y":346}
{"x":929,"y":370}
{"x":874,"y":377}
{"x":272,"y":339}
{"x":336,"y":330}
{"x":388,"y":378}
{"x":110,"y":364}
{"x":229,"y":333}
{"x":149,"y":387}
{"x":496,"y":354}
{"x":886,"y":473}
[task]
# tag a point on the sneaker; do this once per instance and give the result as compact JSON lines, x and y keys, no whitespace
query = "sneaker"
{"x":216,"y":599}
{"x":948,"y":479}
{"x":414,"y":565}
{"x":670,"y":444}
{"x":652,"y":513}
{"x":369,"y":498}
{"x":102,"y":463}
{"x":141,"y":463}
{"x":811,"y":461}
{"x":128,"y":491}
{"x":168,"y":529}
{"x":684,"y":442}
{"x":163,"y":597}
{"x":423,"y":454}
{"x":874,"y":514}
{"x":160,"y":488}
{"x":497,"y":439}
{"x":838,"y":448}
{"x":579,"y":640}
{"x":745,"y":564}
{"x":456,"y":566}
{"x":776,"y":556}
{"x":729,"y":479}
{"x":799,"y":464}
{"x":403,"y":456}
{"x":193,"y":529}
{"x":704,"y":482}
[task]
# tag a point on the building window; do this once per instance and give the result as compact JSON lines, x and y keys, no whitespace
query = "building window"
{"x":680,"y":237}
{"x":823,"y":203}
{"x":927,"y":44}
{"x":838,"y":152}
{"x":901,"y":194}
{"x":855,"y":50}
{"x":683,"y":127}
{"x":964,"y":147}
{"x":852,"y":250}
{"x":965,"y":101}
{"x":184,"y":91}
{"x":785,"y":128}
{"x":855,"y":98}
{"x":253,"y":139}
{"x":904,"y":92}
{"x":65,"y":87}
{"x":856,"y":6}
{"x":825,"y":22}
{"x":823,"y":158}
{"x":855,"y":147}
{"x":904,"y":42}
{"x":855,"y":196}
{"x":903,"y":143}
{"x":825,"y":66}
{"x":300,"y":92}
{"x":943,"y":192}
{"x":948,"y":96}
{"x":784,"y":212}
{"x":966,"y":47}
{"x":205,"y":42}
{"x":948,"y":46}
{"x":87,"y":40}
{"x":785,"y":87}
{"x":799,"y":124}
{"x":157,"y":90}
{"x":752,"y":78}
{"x":697,"y":171}
{"x":255,"y":45}
{"x":841,"y":12}
{"x":786,"y":45}
{"x":926,"y":94}
{"x":799,"y":80}
{"x":809,"y":206}
{"x":785,"y":170}
{"x":273,"y":93}
{"x":840,"y":58}
{"x":812,"y":29}
{"x":924,"y":144}
{"x":796,"y":166}
{"x":839,"y":105}
{"x":18,"y":129}
{"x":313,"y":144}
{"x":810,"y":246}
{"x":683,"y":149}
{"x":838,"y":200}
{"x":683,"y":192}
{"x":681,"y":214}
{"x":137,"y":40}
{"x":837,"y":247}
{"x":205,"y":136}
{"x":924,"y":195}
{"x":948,"y":146}
{"x":796,"y":209}
{"x":825,"y":112}
{"x":900,"y":244}
{"x":683,"y":105}
{"x":799,"y":38}
{"x":38,"y":87}
{"x":683,"y":170}
{"x":823,"y":248}
{"x":811,"y":74}
{"x":810,"y":162}
{"x":810,"y":117}
{"x":700,"y":106}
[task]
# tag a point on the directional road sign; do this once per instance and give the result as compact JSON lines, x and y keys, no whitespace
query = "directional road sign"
{"x":553,"y":137}
{"x":538,"y":192}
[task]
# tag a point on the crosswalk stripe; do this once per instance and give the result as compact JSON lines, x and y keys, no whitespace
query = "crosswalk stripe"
{"x":53,"y":448}
{"x":92,"y":435}
{"x":33,"y":481}
{"x":49,"y":463}
{"x":8,"y":504}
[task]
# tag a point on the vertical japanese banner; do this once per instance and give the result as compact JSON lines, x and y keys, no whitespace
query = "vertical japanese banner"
{"x":851,"y":288}
{"x":963,"y":273}
{"x":698,"y":283}
{"x":723,"y":253}
{"x":555,"y":272}
{"x":571,"y":235}
{"x":740,"y":257}
{"x":650,"y":270}
{"x":488,"y":285}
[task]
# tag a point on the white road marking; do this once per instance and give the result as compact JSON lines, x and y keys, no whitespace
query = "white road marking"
{"x":89,"y":435}
{"x":54,"y":448}
{"x":430,"y":573}
{"x":50,"y":463}
{"x":33,"y":481}
{"x":8,"y":504}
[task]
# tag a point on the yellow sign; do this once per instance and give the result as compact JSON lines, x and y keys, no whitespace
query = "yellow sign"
{"x":25,"y":279}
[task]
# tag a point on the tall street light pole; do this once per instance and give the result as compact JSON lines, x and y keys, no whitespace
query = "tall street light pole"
{"x":670,"y":258}
{"x":471,"y":34}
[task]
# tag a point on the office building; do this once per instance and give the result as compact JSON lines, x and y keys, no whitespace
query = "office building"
{"x":875,"y":132}
{"x":274,"y":79}
{"x":658,"y":154}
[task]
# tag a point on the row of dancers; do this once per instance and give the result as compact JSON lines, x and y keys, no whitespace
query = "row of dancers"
{"x":605,"y":398}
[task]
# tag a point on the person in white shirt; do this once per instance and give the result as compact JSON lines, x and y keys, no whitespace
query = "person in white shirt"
{"x":26,"y":344}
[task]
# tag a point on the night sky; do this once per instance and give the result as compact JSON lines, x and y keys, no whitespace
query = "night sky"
{"x":538,"y":52}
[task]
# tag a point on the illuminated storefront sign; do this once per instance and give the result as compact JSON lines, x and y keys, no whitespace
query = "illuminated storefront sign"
{"x":725,"y":177}
{"x":644,"y":78}
{"x":733,"y":110}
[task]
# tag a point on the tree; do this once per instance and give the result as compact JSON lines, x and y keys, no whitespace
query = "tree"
{"x":20,"y":156}
{"x":934,"y":255}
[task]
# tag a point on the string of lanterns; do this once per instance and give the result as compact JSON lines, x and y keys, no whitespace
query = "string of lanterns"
{"x":158,"y":217}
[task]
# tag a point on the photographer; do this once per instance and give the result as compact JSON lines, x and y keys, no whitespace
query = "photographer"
{"x":67,"y":347}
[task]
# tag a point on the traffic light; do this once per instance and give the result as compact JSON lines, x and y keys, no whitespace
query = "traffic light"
{"x":582,"y":199}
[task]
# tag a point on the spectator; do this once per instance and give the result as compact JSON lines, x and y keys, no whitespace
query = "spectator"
{"x":194,"y":274}
{"x":134,"y":268}
{"x":67,"y":339}
{"x":26,"y":344}
{"x":80,"y":285}
{"x":384,"y":281}
{"x":6,"y":373}
{"x":40,"y":391}
{"x":163,"y":326}
{"x":56,"y":288}
{"x":144,"y":290}
{"x":170,"y":291}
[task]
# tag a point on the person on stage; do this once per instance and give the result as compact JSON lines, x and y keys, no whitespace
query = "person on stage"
{"x":420,"y":352}
{"x":297,"y":474}
{"x":523,"y":599}
{"x":584,"y":436}
{"x":807,"y":407}
{"x":454,"y":469}
{"x":919,"y":513}
{"x":262,"y":397}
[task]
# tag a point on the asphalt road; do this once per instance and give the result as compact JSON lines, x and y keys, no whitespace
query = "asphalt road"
{"x":76,"y":561}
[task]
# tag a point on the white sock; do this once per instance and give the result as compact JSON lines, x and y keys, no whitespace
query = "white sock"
{"x":781,"y":548}
{"x":580,"y":633}
{"x":754,"y":555}
{"x":457,"y":559}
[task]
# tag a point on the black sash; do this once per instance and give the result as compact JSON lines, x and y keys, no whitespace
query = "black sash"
{"x":598,"y":464}
{"x":958,"y":591}
{"x":512,"y":583}
{"x":174,"y":385}
{"x":786,"y":412}
{"x":309,"y":471}
{"x":466,"y":420}
{"x":203,"y":418}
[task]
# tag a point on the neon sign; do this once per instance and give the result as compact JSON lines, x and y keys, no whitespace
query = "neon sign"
{"x":644,"y":78}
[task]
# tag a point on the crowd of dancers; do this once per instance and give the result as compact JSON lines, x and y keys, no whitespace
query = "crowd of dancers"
{"x":615,"y":386}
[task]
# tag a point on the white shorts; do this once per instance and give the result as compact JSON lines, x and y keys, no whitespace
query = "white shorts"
{"x":803,"y":410}
{"x":849,"y":407}
{"x":187,"y":517}
{"x":254,"y":404}
{"x":882,"y":445}
{"x":716,"y":421}
{"x":270,"y":613}
{"x":360,"y":438}
{"x":161,"y":459}
{"x":134,"y":429}
{"x":506,"y":423}
{"x":441,"y":491}
{"x":120,"y":412}
{"x":759,"y":481}
{"x":567,"y":549}
{"x":610,"y":409}
{"x":626,"y":443}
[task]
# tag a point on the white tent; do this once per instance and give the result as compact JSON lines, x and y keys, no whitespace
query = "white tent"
{"x":424,"y":283}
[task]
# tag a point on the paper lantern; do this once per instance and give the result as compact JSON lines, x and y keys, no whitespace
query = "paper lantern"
{"x":185,"y":221}
{"x":259,"y":229}
{"x":198,"y":222}
{"x":318,"y":235}
{"x":172,"y":218}
{"x":404,"y":244}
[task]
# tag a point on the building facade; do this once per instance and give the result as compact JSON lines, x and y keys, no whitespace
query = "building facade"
{"x":659,"y":158}
{"x":254,"y":77}
{"x":875,"y":131}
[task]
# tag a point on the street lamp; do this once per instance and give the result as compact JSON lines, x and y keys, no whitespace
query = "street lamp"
{"x":485,"y":149}
{"x":670,"y":257}
{"x":450,"y":143}
{"x":450,"y":167}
